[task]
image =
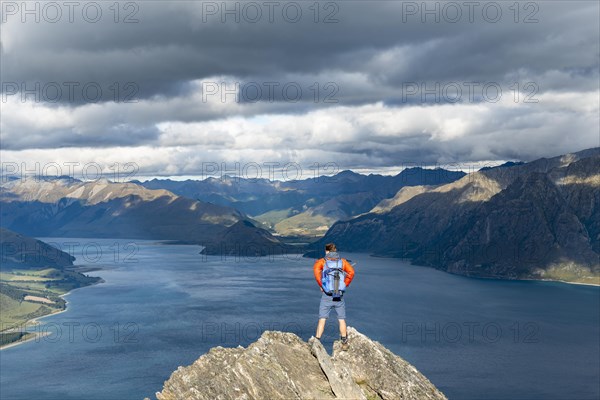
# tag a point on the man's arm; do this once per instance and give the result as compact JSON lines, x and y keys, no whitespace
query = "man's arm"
{"x":318,"y":271}
{"x":349,"y":272}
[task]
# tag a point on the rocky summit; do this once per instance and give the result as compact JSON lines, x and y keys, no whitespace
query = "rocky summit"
{"x":280,"y":365}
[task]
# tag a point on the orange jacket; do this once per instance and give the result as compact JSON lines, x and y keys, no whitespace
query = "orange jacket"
{"x":346,"y":267}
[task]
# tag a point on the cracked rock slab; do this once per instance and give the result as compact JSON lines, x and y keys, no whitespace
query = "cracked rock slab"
{"x":280,"y":365}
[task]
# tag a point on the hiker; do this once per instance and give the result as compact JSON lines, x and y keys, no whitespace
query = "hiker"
{"x":333,"y":274}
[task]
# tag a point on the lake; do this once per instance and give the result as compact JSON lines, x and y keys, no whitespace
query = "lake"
{"x":162,"y":306}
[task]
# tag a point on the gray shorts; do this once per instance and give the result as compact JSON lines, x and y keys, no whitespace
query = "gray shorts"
{"x":327,"y":304}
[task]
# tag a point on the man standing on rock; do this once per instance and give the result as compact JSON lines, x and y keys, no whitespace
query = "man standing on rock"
{"x":333,"y":274}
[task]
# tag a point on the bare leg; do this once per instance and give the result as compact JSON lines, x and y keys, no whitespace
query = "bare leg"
{"x":320,"y":327}
{"x":342,"y":327}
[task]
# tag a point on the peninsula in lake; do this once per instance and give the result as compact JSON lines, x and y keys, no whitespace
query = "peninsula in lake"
{"x":33,"y":277}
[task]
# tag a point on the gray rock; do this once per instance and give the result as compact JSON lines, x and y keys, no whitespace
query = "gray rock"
{"x":339,"y":377}
{"x":281,"y":366}
{"x":380,"y":373}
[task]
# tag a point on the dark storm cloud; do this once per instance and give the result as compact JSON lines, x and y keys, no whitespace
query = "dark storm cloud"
{"x":171,"y":45}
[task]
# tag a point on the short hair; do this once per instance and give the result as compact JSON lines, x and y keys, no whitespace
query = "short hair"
{"x":330,"y":247}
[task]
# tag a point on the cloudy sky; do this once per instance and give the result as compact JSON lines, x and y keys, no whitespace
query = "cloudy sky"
{"x":176,"y":88}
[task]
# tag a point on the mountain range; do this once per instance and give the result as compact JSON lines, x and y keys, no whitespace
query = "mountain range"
{"x":67,"y":207}
{"x":71,"y":208}
{"x":536,"y":220}
{"x":306,"y":207}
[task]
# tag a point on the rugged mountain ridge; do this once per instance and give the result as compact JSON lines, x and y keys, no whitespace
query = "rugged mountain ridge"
{"x":531,"y":221}
{"x":70,"y":208}
{"x":280,"y":365}
{"x":304,"y":206}
{"x":23,"y":252}
{"x":52,"y":190}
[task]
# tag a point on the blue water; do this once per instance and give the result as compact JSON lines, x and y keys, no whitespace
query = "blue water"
{"x":163,"y":306}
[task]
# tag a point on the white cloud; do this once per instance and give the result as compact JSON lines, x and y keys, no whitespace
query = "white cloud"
{"x":367,"y":136}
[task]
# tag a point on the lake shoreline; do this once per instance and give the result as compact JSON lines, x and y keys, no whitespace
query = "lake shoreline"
{"x":570,"y":283}
{"x":465,"y":275}
{"x":27,"y":338}
{"x":35,"y":321}
{"x":527,"y":280}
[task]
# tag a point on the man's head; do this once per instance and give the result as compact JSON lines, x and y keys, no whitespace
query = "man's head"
{"x":330,"y":247}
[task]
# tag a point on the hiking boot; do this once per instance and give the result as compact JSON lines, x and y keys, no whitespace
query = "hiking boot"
{"x":345,"y":345}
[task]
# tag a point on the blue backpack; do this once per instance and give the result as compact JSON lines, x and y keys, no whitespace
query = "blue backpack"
{"x":333,"y":278}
